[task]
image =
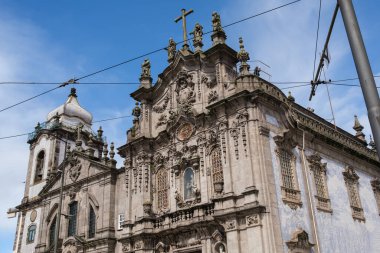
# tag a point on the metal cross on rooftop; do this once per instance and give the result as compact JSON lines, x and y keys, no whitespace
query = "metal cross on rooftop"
{"x":183,"y":17}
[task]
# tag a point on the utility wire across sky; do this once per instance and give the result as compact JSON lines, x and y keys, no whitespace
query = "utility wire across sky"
{"x":75,"y":80}
{"x":128,"y":116}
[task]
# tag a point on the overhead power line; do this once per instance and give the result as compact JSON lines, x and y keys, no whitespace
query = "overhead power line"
{"x":75,"y":80}
{"x":316,"y":39}
{"x":127,"y":116}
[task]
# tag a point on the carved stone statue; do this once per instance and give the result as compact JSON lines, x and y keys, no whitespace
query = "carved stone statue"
{"x":216,"y":23}
{"x":137,"y":110}
{"x":145,"y":68}
{"x":171,"y":50}
{"x":197,"y":36}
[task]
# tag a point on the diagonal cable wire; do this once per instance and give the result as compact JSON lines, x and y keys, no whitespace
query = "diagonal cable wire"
{"x":143,"y":55}
{"x":316,"y":40}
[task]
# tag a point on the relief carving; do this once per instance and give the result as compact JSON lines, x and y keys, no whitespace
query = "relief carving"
{"x":253,"y":220}
{"x":231,"y":224}
{"x":161,"y":108}
{"x":185,"y":89}
{"x":210,"y":83}
{"x":212,"y":96}
{"x":75,"y":169}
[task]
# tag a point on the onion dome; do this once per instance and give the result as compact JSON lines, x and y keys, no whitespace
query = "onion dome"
{"x":71,"y":110}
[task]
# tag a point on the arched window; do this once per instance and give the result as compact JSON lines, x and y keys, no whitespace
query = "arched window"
{"x":39,"y":167}
{"x":91,"y":223}
{"x":189,"y":184}
{"x":162,"y":189}
{"x":31,"y":233}
{"x":73,"y":210}
{"x":53,"y":225}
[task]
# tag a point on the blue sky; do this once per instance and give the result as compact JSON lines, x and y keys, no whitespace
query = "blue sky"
{"x":53,"y":41}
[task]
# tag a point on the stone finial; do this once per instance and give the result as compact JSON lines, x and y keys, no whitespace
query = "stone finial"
{"x":358,"y":128}
{"x":243,"y":57}
{"x":218,"y":35}
{"x":372,"y":143}
{"x":100,"y":132}
{"x":73,"y":92}
{"x":290,"y":97}
{"x":105,"y":151}
{"x":172,"y":47}
{"x":137,"y":110}
{"x":145,"y":77}
{"x":112,"y":150}
{"x":197,"y":37}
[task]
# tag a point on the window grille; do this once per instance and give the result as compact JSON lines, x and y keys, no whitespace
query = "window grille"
{"x":352,"y":181}
{"x":320,"y":183}
{"x":162,"y":189}
{"x":217,"y":168}
{"x":286,"y":169}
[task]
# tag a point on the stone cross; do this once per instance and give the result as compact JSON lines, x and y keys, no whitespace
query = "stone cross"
{"x":183,"y":17}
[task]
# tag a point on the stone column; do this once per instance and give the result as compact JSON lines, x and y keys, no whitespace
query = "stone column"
{"x":233,"y":236}
{"x":267,"y":192}
{"x":255,"y":242}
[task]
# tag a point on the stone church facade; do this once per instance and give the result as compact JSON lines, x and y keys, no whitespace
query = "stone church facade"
{"x":217,"y":160}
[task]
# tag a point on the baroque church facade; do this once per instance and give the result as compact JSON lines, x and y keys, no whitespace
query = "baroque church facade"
{"x":218,"y":160}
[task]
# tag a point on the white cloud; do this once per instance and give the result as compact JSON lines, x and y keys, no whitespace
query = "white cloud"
{"x":25,"y":54}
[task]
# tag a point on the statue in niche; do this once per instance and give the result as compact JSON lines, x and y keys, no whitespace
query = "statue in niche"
{"x":189,"y":185}
{"x":221,"y":249}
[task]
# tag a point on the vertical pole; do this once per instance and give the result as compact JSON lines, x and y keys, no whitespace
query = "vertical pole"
{"x":363,"y":68}
{"x":58,"y":222}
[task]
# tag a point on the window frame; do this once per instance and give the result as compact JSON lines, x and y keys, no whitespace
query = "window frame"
{"x":351,"y":180}
{"x":73,"y":219}
{"x":28,"y":240}
{"x":319,"y":178}
{"x":91,"y":222}
{"x":164,"y":191}
{"x":39,"y":167}
{"x":290,"y":195}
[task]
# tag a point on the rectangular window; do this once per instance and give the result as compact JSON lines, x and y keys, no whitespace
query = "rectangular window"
{"x":352,"y":183}
{"x":73,"y":210}
{"x":289,"y":189}
{"x":91,"y":223}
{"x":320,"y":181}
{"x":376,"y":190}
{"x":120,"y":221}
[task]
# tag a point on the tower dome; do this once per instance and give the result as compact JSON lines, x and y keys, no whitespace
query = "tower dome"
{"x":71,"y":111}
